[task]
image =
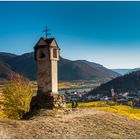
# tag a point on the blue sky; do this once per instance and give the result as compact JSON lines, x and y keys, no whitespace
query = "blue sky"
{"x":103,"y":32}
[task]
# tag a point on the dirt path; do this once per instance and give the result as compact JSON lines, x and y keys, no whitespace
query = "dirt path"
{"x":80,"y":123}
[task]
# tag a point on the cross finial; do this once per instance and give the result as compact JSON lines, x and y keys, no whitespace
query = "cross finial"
{"x":46,"y":30}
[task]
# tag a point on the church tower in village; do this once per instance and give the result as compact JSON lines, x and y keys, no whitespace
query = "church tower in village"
{"x":46,"y":53}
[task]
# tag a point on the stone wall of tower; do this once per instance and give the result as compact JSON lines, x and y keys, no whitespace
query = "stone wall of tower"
{"x":54,"y":76}
{"x":44,"y":72}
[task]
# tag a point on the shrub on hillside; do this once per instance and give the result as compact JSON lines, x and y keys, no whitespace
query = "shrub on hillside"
{"x":17,"y":96}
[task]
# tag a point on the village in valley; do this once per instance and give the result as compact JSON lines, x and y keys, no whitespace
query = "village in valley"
{"x":120,"y":98}
{"x":56,"y":91}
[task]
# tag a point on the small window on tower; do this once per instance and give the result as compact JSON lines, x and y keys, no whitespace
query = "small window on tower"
{"x":42,"y":54}
{"x":54,"y":53}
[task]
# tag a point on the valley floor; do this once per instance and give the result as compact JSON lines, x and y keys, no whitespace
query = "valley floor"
{"x":79,"y":123}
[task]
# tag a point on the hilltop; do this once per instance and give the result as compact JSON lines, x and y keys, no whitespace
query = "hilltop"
{"x":128,"y":82}
{"x":68,"y":69}
{"x":79,"y":123}
{"x":125,"y":71}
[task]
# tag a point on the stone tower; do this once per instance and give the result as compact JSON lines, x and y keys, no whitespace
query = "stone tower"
{"x":47,"y":57}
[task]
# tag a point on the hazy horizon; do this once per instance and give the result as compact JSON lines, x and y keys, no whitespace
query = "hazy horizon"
{"x":107,"y":33}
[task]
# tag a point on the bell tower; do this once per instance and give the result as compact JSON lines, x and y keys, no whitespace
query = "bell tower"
{"x":47,"y":53}
{"x":47,"y":57}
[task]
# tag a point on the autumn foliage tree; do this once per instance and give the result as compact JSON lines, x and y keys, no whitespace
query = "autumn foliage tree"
{"x":17,"y":92}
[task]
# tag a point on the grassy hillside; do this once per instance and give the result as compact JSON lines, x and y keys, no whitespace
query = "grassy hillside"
{"x":128,"y":82}
{"x":111,"y":106}
{"x":96,"y":120}
{"x":77,"y":123}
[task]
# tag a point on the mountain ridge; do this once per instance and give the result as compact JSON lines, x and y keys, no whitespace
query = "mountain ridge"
{"x":125,"y":71}
{"x":68,"y":69}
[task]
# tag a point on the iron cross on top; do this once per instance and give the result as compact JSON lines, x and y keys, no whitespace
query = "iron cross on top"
{"x":46,"y":30}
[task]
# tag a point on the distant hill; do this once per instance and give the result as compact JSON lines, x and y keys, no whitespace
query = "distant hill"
{"x":68,"y":70}
{"x":83,"y":70}
{"x":122,"y":71}
{"x":128,"y":82}
{"x":5,"y":68}
{"x":136,"y":69}
{"x":5,"y":71}
{"x":5,"y":57}
{"x":24,"y":64}
{"x":125,"y":71}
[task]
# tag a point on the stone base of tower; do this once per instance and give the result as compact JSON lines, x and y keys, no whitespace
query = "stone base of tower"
{"x":47,"y":101}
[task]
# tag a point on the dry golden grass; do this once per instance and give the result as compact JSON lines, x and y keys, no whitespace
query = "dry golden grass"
{"x":64,"y":85}
{"x":112,"y":107}
{"x":74,"y":124}
{"x":122,"y":110}
{"x":2,"y":115}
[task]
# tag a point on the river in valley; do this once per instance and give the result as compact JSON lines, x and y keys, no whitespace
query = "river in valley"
{"x":62,"y":91}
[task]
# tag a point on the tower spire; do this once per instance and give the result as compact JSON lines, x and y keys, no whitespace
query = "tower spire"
{"x":46,"y":31}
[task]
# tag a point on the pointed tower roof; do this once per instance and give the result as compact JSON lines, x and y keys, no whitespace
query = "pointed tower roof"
{"x":43,"y":42}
